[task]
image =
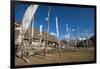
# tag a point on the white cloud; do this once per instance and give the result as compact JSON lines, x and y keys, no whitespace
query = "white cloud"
{"x":53,"y":34}
{"x":82,"y":38}
{"x":73,"y":29}
{"x":67,"y":36}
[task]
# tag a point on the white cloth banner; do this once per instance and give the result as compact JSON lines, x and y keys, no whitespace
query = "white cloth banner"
{"x":27,"y":18}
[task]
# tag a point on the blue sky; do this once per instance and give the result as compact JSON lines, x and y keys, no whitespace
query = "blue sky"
{"x":79,"y":20}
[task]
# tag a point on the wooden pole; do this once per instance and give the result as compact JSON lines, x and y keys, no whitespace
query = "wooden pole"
{"x":40,"y":35}
{"x":47,"y":31}
{"x":59,"y":47}
{"x":32,"y":30}
{"x":33,"y":27}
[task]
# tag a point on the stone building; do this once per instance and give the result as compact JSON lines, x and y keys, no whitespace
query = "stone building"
{"x":37,"y":42}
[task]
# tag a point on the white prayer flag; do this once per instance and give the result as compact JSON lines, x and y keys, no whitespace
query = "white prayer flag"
{"x":30,"y":12}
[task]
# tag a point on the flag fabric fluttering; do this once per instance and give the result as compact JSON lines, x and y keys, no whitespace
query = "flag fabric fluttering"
{"x":26,"y":21}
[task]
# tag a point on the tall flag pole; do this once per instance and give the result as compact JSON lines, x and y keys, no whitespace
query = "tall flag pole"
{"x":48,"y":22}
{"x":32,"y":27}
{"x":41,"y":29}
{"x":57,"y":30}
{"x":32,"y":30}
{"x":40,"y":35}
{"x":67,"y":27}
{"x":57,"y":27}
{"x":67,"y":30}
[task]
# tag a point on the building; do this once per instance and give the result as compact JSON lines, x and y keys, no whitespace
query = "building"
{"x":38,"y":42}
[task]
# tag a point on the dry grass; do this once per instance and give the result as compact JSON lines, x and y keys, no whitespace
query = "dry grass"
{"x":69,"y":56}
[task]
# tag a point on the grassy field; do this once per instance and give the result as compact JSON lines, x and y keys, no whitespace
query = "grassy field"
{"x":69,"y":56}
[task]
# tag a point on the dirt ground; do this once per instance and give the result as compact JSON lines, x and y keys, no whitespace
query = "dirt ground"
{"x":69,"y":56}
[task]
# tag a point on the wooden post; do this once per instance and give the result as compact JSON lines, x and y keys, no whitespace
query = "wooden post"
{"x":32,"y":34}
{"x":59,"y":47}
{"x":47,"y":31}
{"x":40,"y":35}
